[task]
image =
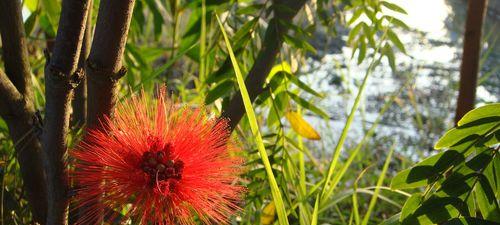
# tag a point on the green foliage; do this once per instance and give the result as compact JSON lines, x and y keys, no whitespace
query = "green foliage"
{"x":461,"y":182}
{"x":179,"y":43}
{"x":367,"y":26}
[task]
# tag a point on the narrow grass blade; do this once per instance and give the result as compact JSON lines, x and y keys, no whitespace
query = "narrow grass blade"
{"x":276,"y":193}
{"x":380,"y":181}
{"x":336,"y":156}
{"x":314,"y":220}
{"x":367,"y":136}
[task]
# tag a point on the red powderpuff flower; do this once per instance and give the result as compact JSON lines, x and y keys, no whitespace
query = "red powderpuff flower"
{"x":165,"y":164}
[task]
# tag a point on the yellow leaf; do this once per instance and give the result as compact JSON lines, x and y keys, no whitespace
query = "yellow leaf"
{"x":268,"y":214}
{"x":301,"y":126}
{"x":282,"y":67}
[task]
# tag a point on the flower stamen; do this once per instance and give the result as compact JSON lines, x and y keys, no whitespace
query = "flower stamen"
{"x":160,"y":166}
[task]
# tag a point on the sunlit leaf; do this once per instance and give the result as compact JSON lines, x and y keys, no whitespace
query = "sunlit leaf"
{"x":458,"y":134}
{"x":395,"y":40}
{"x":490,"y":110}
{"x":268,"y":214}
{"x":426,"y":171}
{"x":302,"y":127}
{"x":31,"y":5}
{"x":393,"y":7}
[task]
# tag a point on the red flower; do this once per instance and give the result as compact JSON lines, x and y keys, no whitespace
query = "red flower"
{"x":164,"y":164}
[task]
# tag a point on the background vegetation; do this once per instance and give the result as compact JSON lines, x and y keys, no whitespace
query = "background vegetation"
{"x":306,"y":163}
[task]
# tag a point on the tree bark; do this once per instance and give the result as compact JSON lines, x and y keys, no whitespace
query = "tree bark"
{"x":284,"y":11}
{"x":104,"y":65}
{"x":79,"y":103}
{"x":19,"y":112}
{"x":104,"y":69}
{"x":470,"y":57}
{"x":61,"y":77}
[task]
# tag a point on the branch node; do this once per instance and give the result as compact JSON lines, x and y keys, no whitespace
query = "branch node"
{"x":46,"y":53}
{"x":38,"y":123}
{"x":63,"y":80}
{"x":103,"y":76}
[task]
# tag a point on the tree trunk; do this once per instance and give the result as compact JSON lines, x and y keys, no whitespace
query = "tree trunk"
{"x":104,"y":66}
{"x":20,"y":115}
{"x":273,"y":41}
{"x":470,"y":57}
{"x":61,"y":77}
{"x":104,"y":69}
{"x":79,"y":103}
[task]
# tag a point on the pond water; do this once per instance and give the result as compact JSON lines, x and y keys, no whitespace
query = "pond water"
{"x":426,"y":110}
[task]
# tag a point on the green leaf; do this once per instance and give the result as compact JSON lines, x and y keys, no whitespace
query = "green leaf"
{"x":435,"y":210}
{"x":354,"y":32}
{"x":427,"y":171}
{"x":244,"y":33}
{"x":220,"y":90}
{"x":369,"y":34}
{"x":295,"y":80}
{"x":395,"y":40}
{"x":275,"y":190}
{"x":380,"y":182}
{"x":393,"y":220}
{"x":307,"y":105}
{"x":299,"y":43}
{"x":458,"y":134}
{"x":314,"y":219}
{"x":47,"y":26}
{"x":410,"y":206}
{"x":396,"y":22}
{"x":224,"y":72}
{"x":250,"y":9}
{"x":52,"y":9}
{"x":469,"y":221}
{"x":393,"y":7}
{"x":277,"y":110}
{"x":491,"y":110}
{"x":30,"y":23}
{"x":282,"y":67}
{"x":458,"y":184}
{"x":357,"y":13}
{"x":362,"y":50}
{"x":31,"y":5}
{"x":486,"y":199}
{"x":157,"y":17}
{"x":492,"y":139}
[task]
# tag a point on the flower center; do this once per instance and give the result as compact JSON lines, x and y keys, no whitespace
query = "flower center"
{"x":160,"y":166}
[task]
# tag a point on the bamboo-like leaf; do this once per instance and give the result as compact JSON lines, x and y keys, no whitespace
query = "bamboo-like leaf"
{"x":276,"y":193}
{"x":393,"y":7}
{"x":395,"y":40}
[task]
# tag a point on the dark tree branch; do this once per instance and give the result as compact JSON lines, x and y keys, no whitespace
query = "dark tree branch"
{"x":15,"y":52}
{"x":79,"y":102}
{"x":19,"y":114}
{"x":10,"y":97}
{"x":61,"y":76}
{"x":273,"y":40}
{"x":104,"y":66}
{"x":17,"y":108}
{"x":470,"y":57}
